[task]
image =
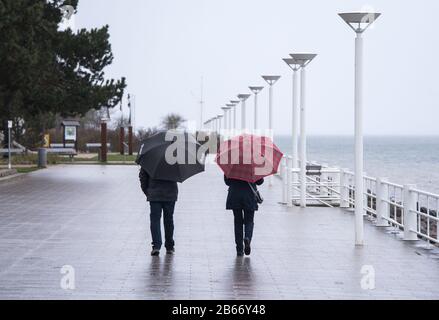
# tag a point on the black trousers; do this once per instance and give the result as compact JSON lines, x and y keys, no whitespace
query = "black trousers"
{"x":168,"y":220}
{"x":244,"y":223}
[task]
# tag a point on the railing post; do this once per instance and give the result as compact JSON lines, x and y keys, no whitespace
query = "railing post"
{"x":382,"y":206}
{"x":283,"y":175}
{"x":289,"y":182}
{"x":344,"y":189}
{"x":410,"y":217}
{"x":324,"y":181}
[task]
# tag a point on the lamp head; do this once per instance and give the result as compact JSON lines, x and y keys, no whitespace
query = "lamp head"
{"x":303,"y":59}
{"x":243,"y":96}
{"x":256,"y":89}
{"x":359,"y":21}
{"x":293,"y":64}
{"x":271,"y":80}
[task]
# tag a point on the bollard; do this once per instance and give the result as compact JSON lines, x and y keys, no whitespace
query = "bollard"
{"x":382,"y":206}
{"x":130,"y":140}
{"x":103,"y":142}
{"x":344,"y":189}
{"x":122,"y":140}
{"x":410,"y":217}
{"x":42,"y":158}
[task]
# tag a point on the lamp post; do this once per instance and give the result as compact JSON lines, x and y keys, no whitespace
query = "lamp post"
{"x":303,"y":59}
{"x":271,"y":80}
{"x":235,"y":105}
{"x":256,"y":91}
{"x":225,"y":117}
{"x":226,"y":120}
{"x":215,"y":124}
{"x":243,"y":97}
{"x":219,"y":117}
{"x":295,"y":66}
{"x":359,"y":22}
{"x":229,"y":121}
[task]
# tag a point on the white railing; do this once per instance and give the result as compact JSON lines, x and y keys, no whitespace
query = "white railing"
{"x":409,"y":210}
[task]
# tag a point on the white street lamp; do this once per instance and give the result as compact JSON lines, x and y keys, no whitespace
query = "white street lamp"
{"x":295,"y":66}
{"x":235,"y":105}
{"x":213,"y":124}
{"x":271,"y":80}
{"x":303,"y":59}
{"x":216,"y":124}
{"x":243,"y":97}
{"x":226,"y":119}
{"x":359,"y":22}
{"x":219,"y":117}
{"x":229,"y":113}
{"x":256,"y":91}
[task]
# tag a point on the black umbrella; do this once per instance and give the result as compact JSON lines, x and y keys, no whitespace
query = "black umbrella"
{"x":171,"y":155}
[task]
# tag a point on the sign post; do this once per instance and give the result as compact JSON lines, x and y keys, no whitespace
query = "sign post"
{"x":70,"y":132}
{"x":9,"y":145}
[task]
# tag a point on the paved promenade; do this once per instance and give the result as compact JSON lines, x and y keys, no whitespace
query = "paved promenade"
{"x":95,"y":219}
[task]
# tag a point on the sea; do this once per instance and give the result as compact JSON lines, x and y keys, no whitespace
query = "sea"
{"x":401,"y":159}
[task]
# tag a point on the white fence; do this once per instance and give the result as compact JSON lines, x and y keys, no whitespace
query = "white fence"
{"x":409,"y":210}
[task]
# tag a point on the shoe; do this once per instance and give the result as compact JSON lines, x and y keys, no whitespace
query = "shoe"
{"x":170,"y":251}
{"x":247,"y":248}
{"x":155,"y":252}
{"x":240,"y":253}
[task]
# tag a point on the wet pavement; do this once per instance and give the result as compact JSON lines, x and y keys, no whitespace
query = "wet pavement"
{"x":94,"y":220}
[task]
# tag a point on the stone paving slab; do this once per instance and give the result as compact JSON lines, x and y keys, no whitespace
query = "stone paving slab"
{"x":95,"y":219}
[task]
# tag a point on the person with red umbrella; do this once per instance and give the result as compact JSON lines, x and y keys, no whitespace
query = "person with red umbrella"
{"x":245,"y":161}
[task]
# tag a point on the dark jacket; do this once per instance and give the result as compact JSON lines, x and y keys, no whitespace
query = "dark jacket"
{"x":241,"y":196}
{"x":157,"y":190}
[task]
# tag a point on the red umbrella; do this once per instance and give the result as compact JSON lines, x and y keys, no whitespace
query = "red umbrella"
{"x":248,"y":157}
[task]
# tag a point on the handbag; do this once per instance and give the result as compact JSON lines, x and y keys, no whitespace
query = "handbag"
{"x":257,"y":194}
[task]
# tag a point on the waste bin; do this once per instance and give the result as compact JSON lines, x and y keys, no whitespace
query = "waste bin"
{"x":42,"y":158}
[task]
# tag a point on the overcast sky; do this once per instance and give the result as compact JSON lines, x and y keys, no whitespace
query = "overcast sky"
{"x":165,"y":47}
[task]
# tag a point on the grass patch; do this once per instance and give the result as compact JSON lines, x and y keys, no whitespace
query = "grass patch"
{"x":31,"y":159}
{"x":27,"y":170}
{"x":52,"y":159}
{"x":111,"y":157}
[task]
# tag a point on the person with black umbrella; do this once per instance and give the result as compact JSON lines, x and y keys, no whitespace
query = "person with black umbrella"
{"x":165,"y":159}
{"x":162,"y":196}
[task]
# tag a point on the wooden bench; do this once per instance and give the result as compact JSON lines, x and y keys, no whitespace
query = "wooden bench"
{"x":62,"y":152}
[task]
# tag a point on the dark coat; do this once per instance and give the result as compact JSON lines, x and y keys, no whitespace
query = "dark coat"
{"x":157,"y":190}
{"x":241,"y":196}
